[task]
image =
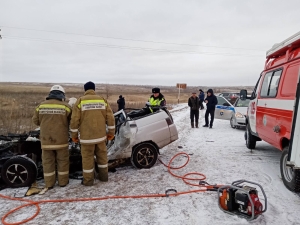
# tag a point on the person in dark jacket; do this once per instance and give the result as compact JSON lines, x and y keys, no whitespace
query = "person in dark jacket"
{"x":201,"y":98}
{"x":194,"y":104}
{"x":211,"y":102}
{"x":121,"y":103}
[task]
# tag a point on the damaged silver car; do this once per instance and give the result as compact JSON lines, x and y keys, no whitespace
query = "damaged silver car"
{"x":140,"y":135}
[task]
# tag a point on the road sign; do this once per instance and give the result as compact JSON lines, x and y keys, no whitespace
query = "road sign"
{"x":180,"y":86}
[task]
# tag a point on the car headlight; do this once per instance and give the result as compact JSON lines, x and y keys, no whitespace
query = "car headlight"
{"x":239,"y":115}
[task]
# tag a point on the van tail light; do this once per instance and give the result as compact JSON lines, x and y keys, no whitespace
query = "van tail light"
{"x":169,"y":121}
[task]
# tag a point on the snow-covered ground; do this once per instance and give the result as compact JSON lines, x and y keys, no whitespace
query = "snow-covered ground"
{"x":220,"y":153}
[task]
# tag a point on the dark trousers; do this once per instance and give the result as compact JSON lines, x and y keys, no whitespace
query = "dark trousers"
{"x":194,"y":115}
{"x":212,"y":116}
{"x":201,"y":104}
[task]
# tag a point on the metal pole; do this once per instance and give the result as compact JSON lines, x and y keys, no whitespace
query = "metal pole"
{"x":178,"y":94}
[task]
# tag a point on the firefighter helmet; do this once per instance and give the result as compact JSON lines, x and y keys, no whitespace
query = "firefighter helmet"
{"x":57,"y":88}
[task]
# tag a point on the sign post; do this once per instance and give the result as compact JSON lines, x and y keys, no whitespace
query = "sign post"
{"x":180,"y":86}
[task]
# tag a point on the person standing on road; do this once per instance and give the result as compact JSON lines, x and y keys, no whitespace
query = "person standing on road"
{"x":194,"y":105}
{"x":91,"y":114}
{"x":211,"y":102}
{"x":121,"y":103}
{"x":53,"y":117}
{"x":156,"y":99}
{"x":201,"y":99}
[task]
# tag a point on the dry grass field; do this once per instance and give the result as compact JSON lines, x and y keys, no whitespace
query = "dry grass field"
{"x":18,"y":100}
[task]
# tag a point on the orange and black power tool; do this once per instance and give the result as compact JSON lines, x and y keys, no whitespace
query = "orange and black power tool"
{"x":240,"y":199}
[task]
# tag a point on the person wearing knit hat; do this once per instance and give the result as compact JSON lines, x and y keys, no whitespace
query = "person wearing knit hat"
{"x":211,"y":102}
{"x":201,"y":98}
{"x":89,"y":86}
{"x":194,"y":105}
{"x":121,"y":103}
{"x":91,"y":117}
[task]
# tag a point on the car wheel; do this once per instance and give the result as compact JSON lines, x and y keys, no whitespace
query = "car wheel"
{"x":290,"y":177}
{"x":19,"y":171}
{"x":232,"y":124}
{"x":250,"y":139}
{"x":144,"y":156}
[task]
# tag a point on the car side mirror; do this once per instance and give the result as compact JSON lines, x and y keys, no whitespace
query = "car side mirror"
{"x":226,"y":104}
{"x":243,"y":95}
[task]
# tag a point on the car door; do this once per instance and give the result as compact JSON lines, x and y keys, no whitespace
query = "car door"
{"x":224,"y":109}
{"x":252,"y":108}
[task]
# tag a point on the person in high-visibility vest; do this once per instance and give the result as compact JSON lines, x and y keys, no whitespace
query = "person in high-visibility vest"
{"x":93,"y":118}
{"x":53,"y":117}
{"x":156,"y":99}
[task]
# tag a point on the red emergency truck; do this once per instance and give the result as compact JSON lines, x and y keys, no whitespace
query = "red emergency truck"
{"x":272,"y":102}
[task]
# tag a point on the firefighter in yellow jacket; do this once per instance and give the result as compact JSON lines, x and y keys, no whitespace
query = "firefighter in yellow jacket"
{"x":91,"y":114}
{"x":53,"y":117}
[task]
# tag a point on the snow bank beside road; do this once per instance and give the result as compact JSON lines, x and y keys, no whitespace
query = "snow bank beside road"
{"x":220,"y":153}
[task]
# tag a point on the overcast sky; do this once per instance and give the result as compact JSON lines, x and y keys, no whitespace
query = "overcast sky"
{"x":155,"y":42}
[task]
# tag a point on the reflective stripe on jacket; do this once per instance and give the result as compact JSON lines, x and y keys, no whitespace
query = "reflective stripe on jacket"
{"x":91,"y":114}
{"x":155,"y":102}
{"x":159,"y":101}
{"x":53,"y":117}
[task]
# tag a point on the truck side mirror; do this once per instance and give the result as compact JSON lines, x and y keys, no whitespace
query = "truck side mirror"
{"x":253,"y":96}
{"x":243,"y":94}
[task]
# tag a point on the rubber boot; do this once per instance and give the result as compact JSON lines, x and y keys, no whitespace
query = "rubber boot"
{"x":103,"y":174}
{"x":192,"y":124}
{"x":34,"y":189}
{"x":197,"y":125}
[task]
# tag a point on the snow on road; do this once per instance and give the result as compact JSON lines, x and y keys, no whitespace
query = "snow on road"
{"x":220,"y":153}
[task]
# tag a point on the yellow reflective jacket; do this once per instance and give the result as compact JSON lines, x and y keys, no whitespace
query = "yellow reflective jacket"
{"x":91,"y":114}
{"x":53,"y":117}
{"x":159,"y":101}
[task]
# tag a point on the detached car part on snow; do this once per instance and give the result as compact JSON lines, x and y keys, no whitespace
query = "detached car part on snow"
{"x":139,"y":136}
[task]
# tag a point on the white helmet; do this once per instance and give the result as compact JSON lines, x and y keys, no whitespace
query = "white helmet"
{"x":57,"y":88}
{"x":72,"y":101}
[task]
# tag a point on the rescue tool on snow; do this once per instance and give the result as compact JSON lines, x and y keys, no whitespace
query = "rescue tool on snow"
{"x":242,"y":200}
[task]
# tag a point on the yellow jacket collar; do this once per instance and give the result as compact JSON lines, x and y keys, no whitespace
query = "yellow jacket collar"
{"x":90,"y":92}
